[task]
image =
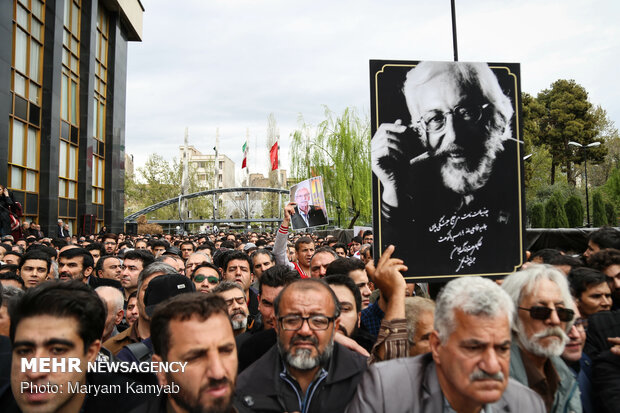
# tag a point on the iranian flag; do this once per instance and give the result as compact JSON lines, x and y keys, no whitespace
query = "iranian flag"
{"x":273,"y":156}
{"x":244,"y":164}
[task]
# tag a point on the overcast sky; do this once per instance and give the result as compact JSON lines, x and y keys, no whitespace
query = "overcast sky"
{"x":228,"y":64}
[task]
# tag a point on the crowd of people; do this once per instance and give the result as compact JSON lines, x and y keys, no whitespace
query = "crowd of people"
{"x":293,"y":322}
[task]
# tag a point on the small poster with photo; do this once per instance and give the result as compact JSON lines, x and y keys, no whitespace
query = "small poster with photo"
{"x":310,"y":210}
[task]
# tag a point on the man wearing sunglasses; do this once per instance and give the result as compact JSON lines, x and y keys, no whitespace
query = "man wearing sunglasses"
{"x":544,"y":316}
{"x":205,"y":277}
{"x":306,"y":371}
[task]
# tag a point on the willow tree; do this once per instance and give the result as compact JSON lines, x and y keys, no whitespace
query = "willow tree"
{"x":338,"y":149}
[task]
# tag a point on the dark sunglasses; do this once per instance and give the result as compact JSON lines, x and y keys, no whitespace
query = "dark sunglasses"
{"x":210,"y":279}
{"x":543,"y":313}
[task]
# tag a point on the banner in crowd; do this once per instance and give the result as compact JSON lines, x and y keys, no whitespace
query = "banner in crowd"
{"x":310,"y":210}
{"x":446,"y":154}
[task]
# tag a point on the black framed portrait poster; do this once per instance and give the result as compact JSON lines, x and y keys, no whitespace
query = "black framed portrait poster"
{"x":447,"y":161}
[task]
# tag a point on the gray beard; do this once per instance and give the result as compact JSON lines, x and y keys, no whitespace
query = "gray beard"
{"x":459,"y":178}
{"x":239,"y":324}
{"x":532,"y":344}
{"x":303,"y":361}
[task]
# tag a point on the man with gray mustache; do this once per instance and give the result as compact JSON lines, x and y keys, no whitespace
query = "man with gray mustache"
{"x":467,"y":369}
{"x":544,"y":316}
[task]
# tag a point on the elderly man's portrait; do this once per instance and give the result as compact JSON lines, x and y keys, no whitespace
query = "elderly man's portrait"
{"x":447,"y":171}
{"x":309,"y":204}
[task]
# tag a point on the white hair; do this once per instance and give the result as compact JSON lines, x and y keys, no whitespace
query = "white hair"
{"x":522,"y":283}
{"x":475,"y":296}
{"x":113,"y":295}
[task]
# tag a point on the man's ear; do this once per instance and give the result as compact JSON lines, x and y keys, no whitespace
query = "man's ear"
{"x":435,"y":344}
{"x":88,"y":271}
{"x":359,"y":319}
{"x":93,"y":350}
{"x":119,"y":316}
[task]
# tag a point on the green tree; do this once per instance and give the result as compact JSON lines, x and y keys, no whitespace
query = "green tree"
{"x":555,"y":216}
{"x":159,"y":180}
{"x":568,"y":116}
{"x":537,"y":215}
{"x":574,"y":211}
{"x":612,"y":187}
{"x":339,"y":150}
{"x":610,"y":211}
{"x":599,"y":215}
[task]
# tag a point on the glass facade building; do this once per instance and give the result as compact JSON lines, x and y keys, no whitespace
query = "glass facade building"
{"x":63,"y":67}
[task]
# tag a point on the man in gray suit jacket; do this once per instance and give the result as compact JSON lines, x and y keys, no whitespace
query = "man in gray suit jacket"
{"x":468,"y":367}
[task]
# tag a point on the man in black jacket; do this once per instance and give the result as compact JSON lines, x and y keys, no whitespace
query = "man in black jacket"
{"x":306,"y":371}
{"x":194,"y":327}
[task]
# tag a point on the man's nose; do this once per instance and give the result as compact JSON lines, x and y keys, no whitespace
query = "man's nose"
{"x":216,"y":369}
{"x":606,"y":301}
{"x":490,"y":362}
{"x":573,"y":333}
{"x":553,"y":319}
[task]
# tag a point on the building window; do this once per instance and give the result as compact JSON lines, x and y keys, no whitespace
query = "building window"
{"x":25,"y":116}
{"x":99,"y":109}
{"x":69,"y":108}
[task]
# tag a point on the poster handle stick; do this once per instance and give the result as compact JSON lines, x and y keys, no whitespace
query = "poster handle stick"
{"x":454,"y":45}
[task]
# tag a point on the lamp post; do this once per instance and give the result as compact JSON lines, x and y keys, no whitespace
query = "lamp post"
{"x":585,"y":168}
{"x":338,"y":209}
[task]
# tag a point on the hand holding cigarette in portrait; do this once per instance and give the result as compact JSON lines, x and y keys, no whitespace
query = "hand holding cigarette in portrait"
{"x":388,"y":156}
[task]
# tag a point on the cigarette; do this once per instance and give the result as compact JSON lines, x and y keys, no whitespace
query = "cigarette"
{"x":420,"y":157}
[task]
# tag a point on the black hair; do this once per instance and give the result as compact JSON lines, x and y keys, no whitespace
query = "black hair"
{"x":227,"y":244}
{"x":87,"y":258}
{"x":51,"y":251}
{"x":340,"y":245}
{"x":36,"y":255}
{"x":606,"y":237}
{"x":101,"y":261}
{"x":580,"y":279}
{"x":342,"y":279}
{"x":59,"y":243}
{"x":344,"y":266}
{"x":141,"y":255}
{"x":563,"y":259}
{"x":302,"y":240}
{"x":71,"y":299}
{"x":11,"y":275}
{"x":235,"y":255}
{"x":96,"y":246}
{"x":205,"y":265}
{"x":546,"y":254}
{"x":277,"y":276}
{"x":604,"y":258}
{"x":182,"y":307}
{"x":262,"y":251}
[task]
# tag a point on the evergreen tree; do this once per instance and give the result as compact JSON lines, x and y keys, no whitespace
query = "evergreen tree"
{"x":599,"y":215}
{"x":537,"y":215}
{"x":555,"y":216}
{"x":574,"y":211}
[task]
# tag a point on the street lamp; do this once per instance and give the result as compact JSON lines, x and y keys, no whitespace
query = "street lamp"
{"x":585,"y":164}
{"x":338,"y":209}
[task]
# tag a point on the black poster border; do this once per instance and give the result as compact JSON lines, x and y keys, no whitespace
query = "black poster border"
{"x":377,"y":67}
